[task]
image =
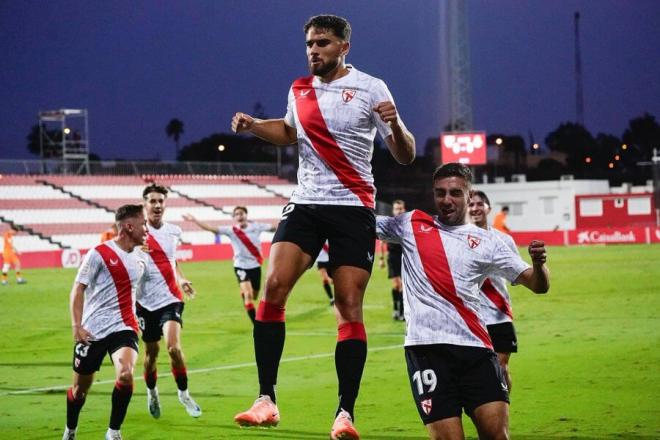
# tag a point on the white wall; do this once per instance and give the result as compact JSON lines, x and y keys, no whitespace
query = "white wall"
{"x":540,"y":206}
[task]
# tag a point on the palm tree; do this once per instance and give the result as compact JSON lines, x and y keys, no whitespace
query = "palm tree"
{"x":174,"y":129}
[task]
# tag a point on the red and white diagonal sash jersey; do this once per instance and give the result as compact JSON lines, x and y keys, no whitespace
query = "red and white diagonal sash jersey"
{"x":496,"y":302}
{"x":111,"y":276}
{"x":160,"y":286}
{"x":246,"y":243}
{"x":442,"y":269}
{"x":336,"y":126}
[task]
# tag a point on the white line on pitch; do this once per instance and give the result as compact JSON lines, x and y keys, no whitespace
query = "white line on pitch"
{"x":199,"y":370}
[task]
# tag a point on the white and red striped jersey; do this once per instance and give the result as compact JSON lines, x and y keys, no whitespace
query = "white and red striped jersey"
{"x":323,"y":256}
{"x":160,"y":287}
{"x":495,"y":299}
{"x":111,"y":276}
{"x":246,"y":243}
{"x":442,"y":269}
{"x":336,"y":126}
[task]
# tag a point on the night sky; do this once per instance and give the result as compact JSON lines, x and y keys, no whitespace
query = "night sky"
{"x":136,"y":65}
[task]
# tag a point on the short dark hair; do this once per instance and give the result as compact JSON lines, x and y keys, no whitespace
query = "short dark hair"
{"x":338,"y":25}
{"x":241,"y":208}
{"x":128,"y":211}
{"x":399,"y":202}
{"x":482,"y":195}
{"x":453,"y":169}
{"x":154,"y":188}
{"x":505,"y":208}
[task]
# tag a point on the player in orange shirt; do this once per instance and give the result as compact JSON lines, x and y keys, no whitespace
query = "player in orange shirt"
{"x":10,"y":257}
{"x":109,"y":234}
{"x":499,"y":222}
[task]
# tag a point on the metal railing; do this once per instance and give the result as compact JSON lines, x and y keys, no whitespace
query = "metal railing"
{"x":135,"y":168}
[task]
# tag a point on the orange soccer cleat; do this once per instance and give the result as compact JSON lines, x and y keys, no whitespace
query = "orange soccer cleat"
{"x":263,"y":413}
{"x":343,"y":428}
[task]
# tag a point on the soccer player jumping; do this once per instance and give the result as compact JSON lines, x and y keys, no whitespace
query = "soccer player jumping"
{"x":333,"y":115}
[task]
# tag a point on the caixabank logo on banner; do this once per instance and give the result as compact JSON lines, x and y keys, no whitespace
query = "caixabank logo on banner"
{"x":604,"y":237}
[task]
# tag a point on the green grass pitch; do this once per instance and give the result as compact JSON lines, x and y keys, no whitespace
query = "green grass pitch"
{"x":588,"y":366}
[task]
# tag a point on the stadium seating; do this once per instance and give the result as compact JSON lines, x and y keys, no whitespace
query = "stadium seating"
{"x":72,"y":211}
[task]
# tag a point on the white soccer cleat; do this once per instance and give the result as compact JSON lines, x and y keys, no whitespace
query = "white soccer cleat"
{"x":153,"y":402}
{"x":69,"y":434}
{"x":191,"y":406}
{"x":113,"y":434}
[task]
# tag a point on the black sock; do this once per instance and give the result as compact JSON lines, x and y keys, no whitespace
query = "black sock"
{"x":121,"y":397}
{"x":328,"y":289}
{"x":181,"y":378}
{"x":395,"y":302}
{"x":251,"y":313}
{"x":73,"y":407}
{"x":150,"y":379}
{"x":399,"y":301}
{"x":350,"y":357}
{"x":268,"y":346}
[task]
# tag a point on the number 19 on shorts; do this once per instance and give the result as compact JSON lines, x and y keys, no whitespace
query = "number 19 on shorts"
{"x":424,"y":378}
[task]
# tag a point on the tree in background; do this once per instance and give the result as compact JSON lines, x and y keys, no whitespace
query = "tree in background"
{"x":51,"y":140}
{"x":174,"y":129}
{"x":642,"y":136}
{"x":578,"y":144}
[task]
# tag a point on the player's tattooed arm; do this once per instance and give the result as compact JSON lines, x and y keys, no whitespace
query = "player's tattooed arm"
{"x":275,"y":131}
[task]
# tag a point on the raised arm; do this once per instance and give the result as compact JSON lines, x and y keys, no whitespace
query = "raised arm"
{"x":401,"y":142}
{"x":191,"y":218}
{"x":274,"y":131}
{"x":537,"y":277}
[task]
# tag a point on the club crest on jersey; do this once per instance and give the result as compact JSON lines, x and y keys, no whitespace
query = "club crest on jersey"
{"x":427,"y":405}
{"x":348,"y":94}
{"x":473,"y":241}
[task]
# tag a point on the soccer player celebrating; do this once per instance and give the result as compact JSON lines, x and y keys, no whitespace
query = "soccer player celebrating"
{"x":394,"y":265}
{"x":322,"y":264}
{"x":495,"y":300}
{"x":102,"y":305}
{"x":10,"y":257}
{"x":246,"y":245}
{"x":333,"y":114}
{"x":450,"y":357}
{"x":160,"y":304}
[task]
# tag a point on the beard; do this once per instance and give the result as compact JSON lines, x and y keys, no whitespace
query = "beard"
{"x":323,"y":68}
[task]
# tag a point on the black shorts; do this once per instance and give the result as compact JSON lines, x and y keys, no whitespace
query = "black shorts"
{"x":88,"y":358}
{"x":504,"y":337}
{"x":251,"y":275}
{"x":151,"y":323}
{"x":350,"y":231}
{"x":445,"y":379}
{"x":323,"y":265}
{"x":393,"y":266}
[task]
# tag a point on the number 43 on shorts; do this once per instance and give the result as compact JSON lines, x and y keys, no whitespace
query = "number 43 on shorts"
{"x":425,"y":378}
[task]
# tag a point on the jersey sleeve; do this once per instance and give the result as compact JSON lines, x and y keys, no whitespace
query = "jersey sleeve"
{"x":390,"y":228}
{"x":289,"y":119}
{"x":507,"y":262}
{"x":380,"y":93}
{"x":264,"y":227}
{"x":89,"y":268}
{"x":224,"y":230}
